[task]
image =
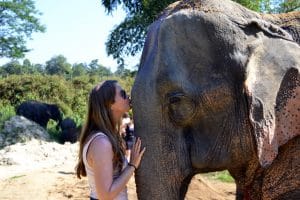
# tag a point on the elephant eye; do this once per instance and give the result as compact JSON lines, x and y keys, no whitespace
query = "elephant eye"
{"x":181,"y":108}
{"x":175,"y":97}
{"x":173,"y":100}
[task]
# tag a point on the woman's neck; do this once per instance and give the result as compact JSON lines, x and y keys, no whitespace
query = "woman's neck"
{"x":117,"y":116}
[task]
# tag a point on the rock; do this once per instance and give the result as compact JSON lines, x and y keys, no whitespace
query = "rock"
{"x":20,"y":129}
{"x":36,"y":154}
{"x":1,"y":139}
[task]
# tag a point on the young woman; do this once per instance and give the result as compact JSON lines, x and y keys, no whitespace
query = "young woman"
{"x":102,"y":151}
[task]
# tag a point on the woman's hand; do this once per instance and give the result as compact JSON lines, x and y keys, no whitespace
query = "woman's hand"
{"x":136,"y":153}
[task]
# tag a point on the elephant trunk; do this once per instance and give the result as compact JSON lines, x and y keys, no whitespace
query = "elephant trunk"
{"x":163,"y":173}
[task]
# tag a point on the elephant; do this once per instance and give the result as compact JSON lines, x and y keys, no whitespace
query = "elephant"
{"x":218,"y":88}
{"x":69,"y":131}
{"x":40,"y":112}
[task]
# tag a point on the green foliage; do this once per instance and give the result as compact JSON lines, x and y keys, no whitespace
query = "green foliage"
{"x":255,"y":5}
{"x":58,"y":65}
{"x":98,"y":69}
{"x":223,"y":176}
{"x":18,"y":21}
{"x":122,"y":72}
{"x":52,"y":89}
{"x":14,"y":67}
{"x":6,"y":111}
{"x":53,"y":132}
{"x":79,"y":69}
{"x":15,"y":177}
{"x":70,"y":95}
{"x":288,"y":6}
{"x":129,"y":36}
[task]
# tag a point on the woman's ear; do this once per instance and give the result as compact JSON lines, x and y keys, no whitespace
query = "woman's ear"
{"x":273,"y":90}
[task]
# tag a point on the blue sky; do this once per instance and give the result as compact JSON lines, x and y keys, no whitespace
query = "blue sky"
{"x":76,"y":29}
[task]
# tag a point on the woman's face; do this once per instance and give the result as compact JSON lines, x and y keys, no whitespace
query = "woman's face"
{"x":121,"y":104}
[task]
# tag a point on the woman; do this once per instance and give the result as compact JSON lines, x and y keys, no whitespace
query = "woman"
{"x":102,"y":152}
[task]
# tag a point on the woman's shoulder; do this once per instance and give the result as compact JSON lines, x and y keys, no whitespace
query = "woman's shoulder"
{"x":95,"y":135}
{"x":100,"y":149}
{"x":99,"y":134}
{"x":100,"y":140}
{"x":96,"y":138}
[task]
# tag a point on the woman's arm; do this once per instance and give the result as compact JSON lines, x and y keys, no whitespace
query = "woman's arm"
{"x":100,"y":158}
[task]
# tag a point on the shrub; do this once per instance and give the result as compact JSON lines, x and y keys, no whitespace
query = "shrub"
{"x":70,"y":95}
{"x":6,"y":112}
{"x":223,"y":176}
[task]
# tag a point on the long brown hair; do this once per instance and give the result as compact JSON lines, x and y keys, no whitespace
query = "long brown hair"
{"x":99,"y":119}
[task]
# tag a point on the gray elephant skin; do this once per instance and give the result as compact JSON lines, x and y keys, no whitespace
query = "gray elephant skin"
{"x":40,"y":112}
{"x":218,"y":88}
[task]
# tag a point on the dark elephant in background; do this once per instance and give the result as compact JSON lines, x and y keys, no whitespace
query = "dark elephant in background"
{"x":40,"y":112}
{"x":218,"y":88}
{"x":69,"y":131}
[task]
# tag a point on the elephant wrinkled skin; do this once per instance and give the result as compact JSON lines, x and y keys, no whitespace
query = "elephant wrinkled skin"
{"x":219,"y":88}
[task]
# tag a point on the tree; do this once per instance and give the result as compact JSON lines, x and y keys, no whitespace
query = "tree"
{"x":29,"y":68}
{"x":98,"y":69}
{"x":120,"y":71}
{"x":129,"y":36}
{"x":58,"y":65}
{"x":39,"y":68}
{"x":18,"y":20}
{"x":12,"y":67}
{"x":288,"y":6}
{"x":79,"y":69}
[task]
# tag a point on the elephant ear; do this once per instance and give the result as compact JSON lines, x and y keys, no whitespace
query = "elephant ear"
{"x":273,"y":90}
{"x":270,"y":29}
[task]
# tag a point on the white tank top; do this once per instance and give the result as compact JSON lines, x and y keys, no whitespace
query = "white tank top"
{"x":90,"y":172}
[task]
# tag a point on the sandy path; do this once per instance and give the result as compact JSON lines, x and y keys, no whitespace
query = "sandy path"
{"x":41,"y":170}
{"x":62,"y":184}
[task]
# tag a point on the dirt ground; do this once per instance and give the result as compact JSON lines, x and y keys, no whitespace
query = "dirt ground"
{"x":62,"y":184}
{"x":45,"y":170}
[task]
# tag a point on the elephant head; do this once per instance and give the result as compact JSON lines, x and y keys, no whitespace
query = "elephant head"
{"x":217,"y":88}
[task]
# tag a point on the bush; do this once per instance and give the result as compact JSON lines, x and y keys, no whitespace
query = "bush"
{"x":53,"y":133}
{"x":51,"y":89}
{"x":5,"y":113}
{"x":70,"y":95}
{"x":223,"y":176}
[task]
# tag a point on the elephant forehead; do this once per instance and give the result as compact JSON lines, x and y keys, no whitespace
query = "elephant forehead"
{"x":231,"y":8}
{"x":183,"y":38}
{"x":182,"y":49}
{"x":191,"y":40}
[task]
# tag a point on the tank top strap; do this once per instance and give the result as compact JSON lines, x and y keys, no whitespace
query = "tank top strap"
{"x":87,"y":145}
{"x":94,"y":136}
